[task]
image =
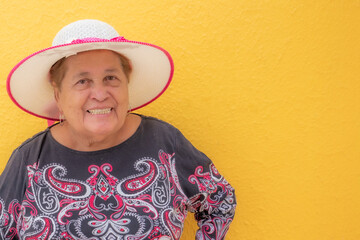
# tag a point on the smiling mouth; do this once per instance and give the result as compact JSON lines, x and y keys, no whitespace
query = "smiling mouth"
{"x":99,"y":111}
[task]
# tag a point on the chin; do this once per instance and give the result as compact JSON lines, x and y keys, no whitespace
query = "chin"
{"x":102,"y":128}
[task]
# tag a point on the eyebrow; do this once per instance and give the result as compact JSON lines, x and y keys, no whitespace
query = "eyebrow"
{"x":82,"y":74}
{"x":111,"y":70}
{"x":85,"y":74}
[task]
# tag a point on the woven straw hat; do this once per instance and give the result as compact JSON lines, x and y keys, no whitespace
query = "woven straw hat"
{"x":28,"y":82}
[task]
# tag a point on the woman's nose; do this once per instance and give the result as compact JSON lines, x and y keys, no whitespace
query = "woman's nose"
{"x":99,"y":92}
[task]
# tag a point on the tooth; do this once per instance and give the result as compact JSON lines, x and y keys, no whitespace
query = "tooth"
{"x":100,"y":111}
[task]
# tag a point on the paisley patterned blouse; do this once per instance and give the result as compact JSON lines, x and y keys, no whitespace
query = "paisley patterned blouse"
{"x":140,"y":189}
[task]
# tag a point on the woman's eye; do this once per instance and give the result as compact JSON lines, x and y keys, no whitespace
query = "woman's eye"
{"x":82,"y":81}
{"x":110,"y":78}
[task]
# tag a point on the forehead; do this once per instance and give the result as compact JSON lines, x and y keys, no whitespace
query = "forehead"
{"x":93,"y":59}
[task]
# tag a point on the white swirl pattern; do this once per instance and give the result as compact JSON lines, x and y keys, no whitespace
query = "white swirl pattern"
{"x":147,"y":205}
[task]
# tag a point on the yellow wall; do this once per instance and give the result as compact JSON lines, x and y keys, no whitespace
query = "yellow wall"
{"x":270,"y":90}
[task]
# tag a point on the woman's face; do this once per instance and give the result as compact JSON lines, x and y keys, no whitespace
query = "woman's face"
{"x":94,"y":93}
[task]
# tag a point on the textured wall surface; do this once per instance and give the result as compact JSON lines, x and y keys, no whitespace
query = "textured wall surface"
{"x":270,"y":90}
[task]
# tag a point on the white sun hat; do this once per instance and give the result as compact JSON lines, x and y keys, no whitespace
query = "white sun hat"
{"x":28,"y":83}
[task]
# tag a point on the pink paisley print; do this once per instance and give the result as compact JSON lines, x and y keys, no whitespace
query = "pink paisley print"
{"x":149,"y":204}
{"x":216,"y":203}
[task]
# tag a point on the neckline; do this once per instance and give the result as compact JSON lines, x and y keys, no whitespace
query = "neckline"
{"x":126,"y":142}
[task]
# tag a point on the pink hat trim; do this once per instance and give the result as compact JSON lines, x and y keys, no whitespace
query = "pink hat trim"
{"x":89,"y":40}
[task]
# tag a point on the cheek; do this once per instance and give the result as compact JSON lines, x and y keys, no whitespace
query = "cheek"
{"x":70,"y":102}
{"x":122,"y":96}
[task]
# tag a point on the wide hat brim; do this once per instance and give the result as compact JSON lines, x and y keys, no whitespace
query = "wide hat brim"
{"x":29,"y":87}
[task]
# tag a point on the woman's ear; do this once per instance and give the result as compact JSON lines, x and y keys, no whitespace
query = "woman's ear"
{"x":56,"y":93}
{"x":57,"y":98}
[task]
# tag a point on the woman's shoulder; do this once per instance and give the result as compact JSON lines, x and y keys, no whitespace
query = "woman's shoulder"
{"x":34,"y":141}
{"x":30,"y":147}
{"x":154,"y":123}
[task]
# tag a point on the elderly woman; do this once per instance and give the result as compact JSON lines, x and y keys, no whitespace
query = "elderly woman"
{"x":101,"y":172}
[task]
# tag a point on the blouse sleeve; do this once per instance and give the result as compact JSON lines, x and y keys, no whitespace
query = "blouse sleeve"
{"x":12,"y":189}
{"x":210,"y":196}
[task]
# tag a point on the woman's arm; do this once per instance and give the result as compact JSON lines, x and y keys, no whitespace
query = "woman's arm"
{"x":12,"y":189}
{"x":214,"y":206}
{"x":211,"y":197}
